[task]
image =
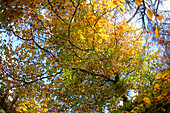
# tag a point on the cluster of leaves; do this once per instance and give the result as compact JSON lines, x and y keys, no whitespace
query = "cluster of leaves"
{"x":78,"y":55}
{"x":154,"y":98}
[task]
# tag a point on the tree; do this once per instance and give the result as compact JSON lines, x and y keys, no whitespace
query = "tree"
{"x":75,"y":56}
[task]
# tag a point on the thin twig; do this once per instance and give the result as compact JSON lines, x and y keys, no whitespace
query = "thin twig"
{"x":133,"y":15}
{"x":56,"y":12}
{"x":72,"y":19}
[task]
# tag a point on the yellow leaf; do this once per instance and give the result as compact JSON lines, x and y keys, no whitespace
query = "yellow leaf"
{"x":24,"y":109}
{"x":168,"y":80}
{"x":45,"y":110}
{"x":157,"y":32}
{"x":82,"y":37}
{"x":164,"y":75}
{"x":122,"y":1}
{"x":146,"y":100}
{"x":158,"y":76}
{"x":159,"y":17}
{"x":134,"y":111}
{"x":138,"y":2}
{"x":149,"y":13}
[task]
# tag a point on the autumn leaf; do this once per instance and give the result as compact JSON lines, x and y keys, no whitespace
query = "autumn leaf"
{"x":159,"y":17}
{"x":61,"y":92}
{"x":157,"y":32}
{"x":146,"y":100}
{"x":25,"y":109}
{"x":149,"y":13}
{"x":138,"y":2}
{"x":160,"y":97}
{"x":156,"y":86}
{"x":158,"y":76}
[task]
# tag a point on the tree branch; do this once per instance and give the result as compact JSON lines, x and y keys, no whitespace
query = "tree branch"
{"x":94,"y":74}
{"x":41,"y":78}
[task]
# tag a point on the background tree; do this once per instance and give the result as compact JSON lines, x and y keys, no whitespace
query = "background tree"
{"x":74,"y":56}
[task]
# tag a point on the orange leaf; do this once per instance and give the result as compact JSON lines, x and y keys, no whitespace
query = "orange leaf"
{"x":157,"y":32}
{"x":138,"y":2}
{"x":160,"y":97}
{"x":159,"y":17}
{"x":146,"y":100}
{"x":149,"y":13}
{"x":157,"y":86}
{"x":61,"y":92}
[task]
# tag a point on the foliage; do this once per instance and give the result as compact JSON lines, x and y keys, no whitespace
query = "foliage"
{"x":155,"y":97}
{"x":78,"y":55}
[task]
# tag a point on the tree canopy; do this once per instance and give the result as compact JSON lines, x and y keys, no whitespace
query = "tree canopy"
{"x":83,"y":56}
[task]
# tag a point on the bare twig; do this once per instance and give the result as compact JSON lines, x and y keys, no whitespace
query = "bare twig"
{"x":133,"y":15}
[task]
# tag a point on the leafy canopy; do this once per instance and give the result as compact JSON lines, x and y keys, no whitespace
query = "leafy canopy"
{"x":77,"y":55}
